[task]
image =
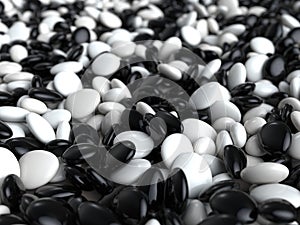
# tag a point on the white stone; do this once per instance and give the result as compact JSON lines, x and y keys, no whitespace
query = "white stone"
{"x":223,"y":139}
{"x":290,"y":100}
{"x":196,"y":170}
{"x":144,"y":108}
{"x":258,"y":111}
{"x":9,"y":67}
{"x":211,"y":68}
{"x":38,"y":167}
{"x":106,"y":107}
{"x":82,"y":103}
{"x":216,"y":165}
{"x":8,"y":164}
{"x":67,"y":83}
{"x":111,"y":118}
{"x":110,"y":20}
{"x":70,"y":66}
{"x":106,"y":64}
{"x":19,"y":31}
{"x":13,"y":114}
{"x":264,"y":88}
{"x":224,"y":109}
{"x":276,"y":191}
{"x":194,"y":213}
{"x":4,"y":210}
{"x":223,"y":123}
{"x":97,"y":47}
{"x":236,"y":75}
{"x":56,"y":116}
{"x":195,"y":129}
{"x":238,"y":135}
{"x":34,"y":105}
{"x":191,"y":35}
{"x":252,"y":147}
{"x":289,"y":21}
{"x":254,"y":124}
{"x":264,"y":173}
{"x":295,"y":87}
{"x":130,"y":173}
{"x":101,"y":84}
{"x":205,"y":145}
{"x":40,"y":128}
{"x":85,"y":21}
{"x":63,"y":131}
{"x":26,"y":76}
{"x":143,"y":143}
{"x":169,"y":71}
{"x":174,"y":145}
{"x":262,"y":45}
{"x":293,"y":150}
{"x":18,"y":52}
{"x":208,"y":94}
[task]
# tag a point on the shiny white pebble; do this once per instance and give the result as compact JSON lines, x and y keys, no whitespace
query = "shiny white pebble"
{"x":38,"y":167}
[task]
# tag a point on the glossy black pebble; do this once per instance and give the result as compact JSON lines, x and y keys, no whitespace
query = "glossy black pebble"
{"x":131,"y":204}
{"x":275,"y":137}
{"x":57,"y":191}
{"x":11,"y":219}
{"x":45,"y":211}
{"x":75,"y":202}
{"x":235,"y":160}
{"x":12,"y":190}
{"x":101,"y":184}
{"x":235,"y":203}
{"x":45,"y":95}
{"x":274,"y":69}
{"x":243,"y":89}
{"x":81,"y":35}
{"x":155,"y":127}
{"x":90,"y":213}
{"x":119,"y":154}
{"x":58,"y":146}
{"x":278,"y":211}
{"x":174,"y":125}
{"x":244,"y":103}
{"x":5,"y":131}
{"x":220,"y":220}
{"x":275,"y":98}
{"x":26,"y":200}
{"x":153,"y":185}
{"x":219,"y":186}
{"x":81,"y":153}
{"x":78,"y":178}
{"x":21,"y":145}
{"x":176,"y":191}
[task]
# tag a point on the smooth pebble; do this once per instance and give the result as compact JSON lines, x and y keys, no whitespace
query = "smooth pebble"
{"x":67,"y":83}
{"x":238,"y":135}
{"x":262,"y":45}
{"x":204,"y":145}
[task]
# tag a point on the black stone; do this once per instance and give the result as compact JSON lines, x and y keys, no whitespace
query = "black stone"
{"x":278,"y":211}
{"x":174,"y":125}
{"x":44,"y":210}
{"x":5,"y":131}
{"x":21,"y":145}
{"x":11,"y":219}
{"x":45,"y":95}
{"x":120,"y":154}
{"x":153,"y":185}
{"x":235,"y":203}
{"x":156,"y":128}
{"x":26,"y":199}
{"x":12,"y":190}
{"x":168,"y":217}
{"x":77,"y":177}
{"x":100,"y":183}
{"x":82,"y":153}
{"x":90,"y":213}
{"x":244,"y":103}
{"x":234,"y":160}
{"x":274,"y":69}
{"x":57,"y":191}
{"x":81,"y":35}
{"x":131,"y":120}
{"x":275,"y":98}
{"x":220,"y":219}
{"x":6,"y":98}
{"x":243,"y":89}
{"x":75,"y":53}
{"x":75,"y":202}
{"x":131,"y":205}
{"x":37,"y":82}
{"x":176,"y":191}
{"x":275,"y":137}
{"x":58,"y":146}
{"x":219,"y":186}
